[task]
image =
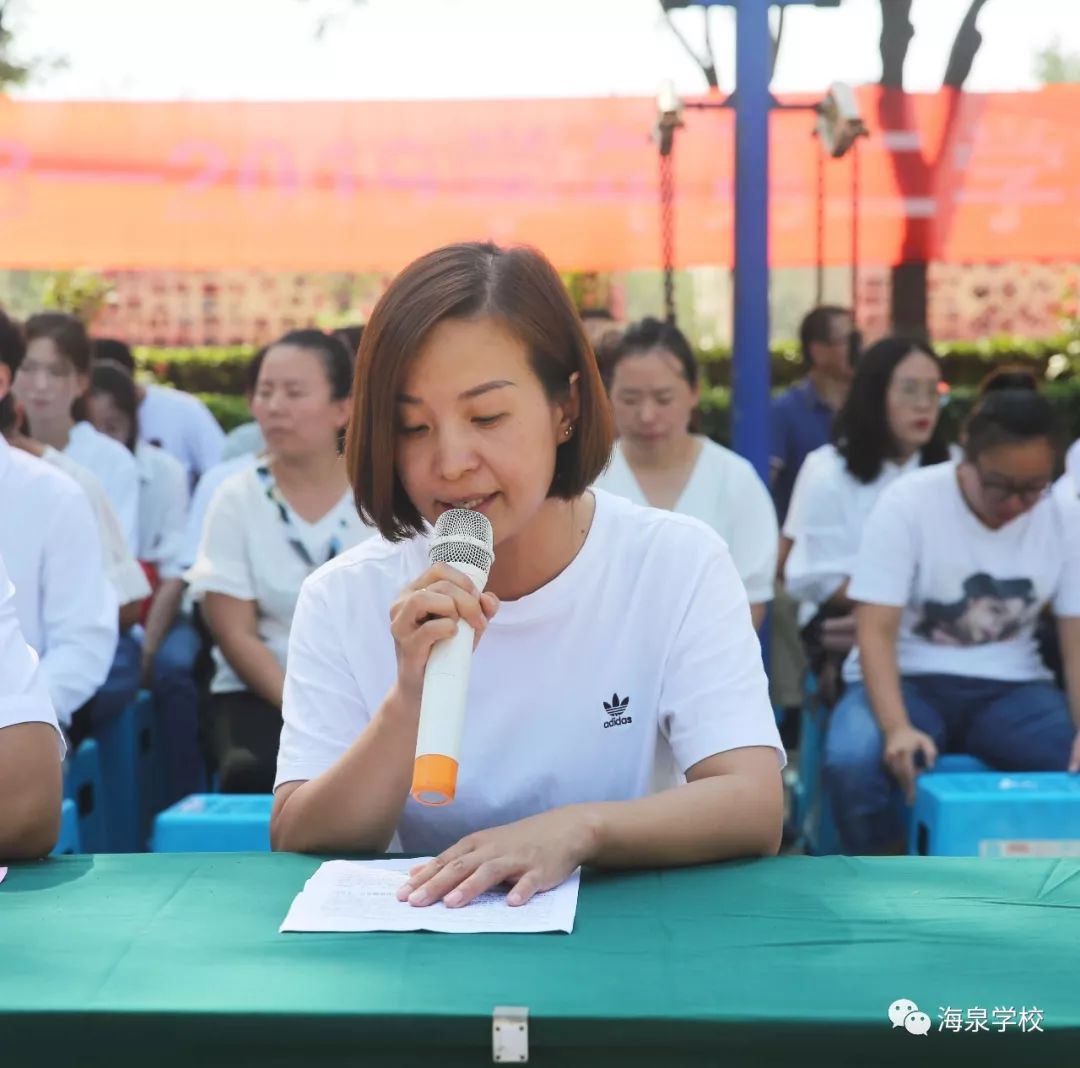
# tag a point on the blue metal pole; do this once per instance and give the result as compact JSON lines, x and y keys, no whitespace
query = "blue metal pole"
{"x":751,"y":365}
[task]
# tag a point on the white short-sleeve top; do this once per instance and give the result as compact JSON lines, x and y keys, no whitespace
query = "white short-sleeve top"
{"x":253,"y":552}
{"x":724,"y":491}
{"x":644,"y":641}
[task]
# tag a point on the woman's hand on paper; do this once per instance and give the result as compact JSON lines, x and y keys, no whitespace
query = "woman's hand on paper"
{"x":532,"y":855}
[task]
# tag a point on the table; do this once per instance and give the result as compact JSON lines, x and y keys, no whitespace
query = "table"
{"x":175,"y":959}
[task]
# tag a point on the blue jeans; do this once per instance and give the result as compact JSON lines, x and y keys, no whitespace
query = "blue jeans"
{"x":1013,"y":726}
{"x":120,"y":685}
{"x":176,"y":700}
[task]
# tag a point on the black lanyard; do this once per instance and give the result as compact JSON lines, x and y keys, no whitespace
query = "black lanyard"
{"x":274,"y":495}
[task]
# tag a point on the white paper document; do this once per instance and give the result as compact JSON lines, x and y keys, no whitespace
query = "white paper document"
{"x":361,"y":895}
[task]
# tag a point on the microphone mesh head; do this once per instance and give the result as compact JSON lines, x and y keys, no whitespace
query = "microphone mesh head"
{"x":463,"y":522}
{"x":463,"y":537}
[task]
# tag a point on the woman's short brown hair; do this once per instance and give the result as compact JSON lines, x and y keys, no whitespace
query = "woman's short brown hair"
{"x":520,"y":289}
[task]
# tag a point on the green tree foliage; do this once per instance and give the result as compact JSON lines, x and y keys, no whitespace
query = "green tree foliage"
{"x":1054,"y":66}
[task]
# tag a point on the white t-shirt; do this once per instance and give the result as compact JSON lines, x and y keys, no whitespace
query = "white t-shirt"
{"x":183,"y":426}
{"x":163,"y":502}
{"x":1072,"y":465}
{"x":123,"y":570}
{"x":244,"y":440}
{"x":67,"y":608}
{"x":825,"y":520}
{"x":24,"y":697}
{"x":1065,"y":489}
{"x":970,"y":595}
{"x":805,"y":477}
{"x":114,"y":467}
{"x":247,"y":553}
{"x":724,"y":492}
{"x":200,"y":504}
{"x":649,"y":617}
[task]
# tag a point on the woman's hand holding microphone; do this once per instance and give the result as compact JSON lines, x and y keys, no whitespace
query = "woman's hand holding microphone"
{"x":427,"y":611}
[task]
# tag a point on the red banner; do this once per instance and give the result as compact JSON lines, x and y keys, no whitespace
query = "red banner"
{"x":368,"y":186}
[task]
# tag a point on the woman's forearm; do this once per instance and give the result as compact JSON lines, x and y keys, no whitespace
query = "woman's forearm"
{"x":881,"y":676}
{"x":356,"y":804}
{"x":757,"y":613}
{"x":163,"y":609}
{"x":256,"y":666}
{"x":1069,"y":643}
{"x":129,"y":615}
{"x":717,"y":818}
{"x":31,"y":789}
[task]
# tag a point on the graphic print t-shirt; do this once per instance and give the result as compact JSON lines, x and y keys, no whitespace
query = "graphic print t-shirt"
{"x":971,"y":595}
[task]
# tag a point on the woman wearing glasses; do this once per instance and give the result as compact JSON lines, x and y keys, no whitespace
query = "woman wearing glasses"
{"x":955,"y":565}
{"x":887,"y":427}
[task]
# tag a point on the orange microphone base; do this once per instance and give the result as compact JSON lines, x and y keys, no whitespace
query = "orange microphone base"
{"x":434,"y":779}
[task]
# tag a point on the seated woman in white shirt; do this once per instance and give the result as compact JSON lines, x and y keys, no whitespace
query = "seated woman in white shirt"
{"x":123,"y":570}
{"x":66,"y":606}
{"x":166,"y":643}
{"x":652,"y":377}
{"x":171,"y":419}
{"x":268,"y":527}
{"x":887,"y":427}
{"x":31,"y":745}
{"x":607,"y":632}
{"x":956,"y":564}
{"x":51,"y":386}
{"x":125,"y":575}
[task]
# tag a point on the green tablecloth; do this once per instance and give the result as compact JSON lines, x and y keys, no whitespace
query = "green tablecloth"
{"x":175,"y":959}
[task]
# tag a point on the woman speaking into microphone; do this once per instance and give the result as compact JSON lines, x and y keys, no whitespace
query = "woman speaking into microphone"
{"x":610,"y":640}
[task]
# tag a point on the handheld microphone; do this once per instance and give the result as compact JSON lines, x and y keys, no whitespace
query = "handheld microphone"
{"x":463,"y":539}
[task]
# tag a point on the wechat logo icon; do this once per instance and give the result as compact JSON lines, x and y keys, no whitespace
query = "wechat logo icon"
{"x":905,"y":1013}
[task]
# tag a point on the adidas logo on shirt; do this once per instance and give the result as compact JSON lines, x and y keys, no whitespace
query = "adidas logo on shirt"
{"x":615,"y":710}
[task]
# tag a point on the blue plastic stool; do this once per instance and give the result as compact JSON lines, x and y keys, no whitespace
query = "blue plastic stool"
{"x":975,"y":814}
{"x":950,"y":763}
{"x":83,"y":785}
{"x":215,"y":823}
{"x":158,"y":795}
{"x":128,"y":745}
{"x":151,"y":766}
{"x":68,"y":842}
{"x":814,"y":809}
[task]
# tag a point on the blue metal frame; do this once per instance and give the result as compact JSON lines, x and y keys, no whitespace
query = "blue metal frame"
{"x":752,"y":101}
